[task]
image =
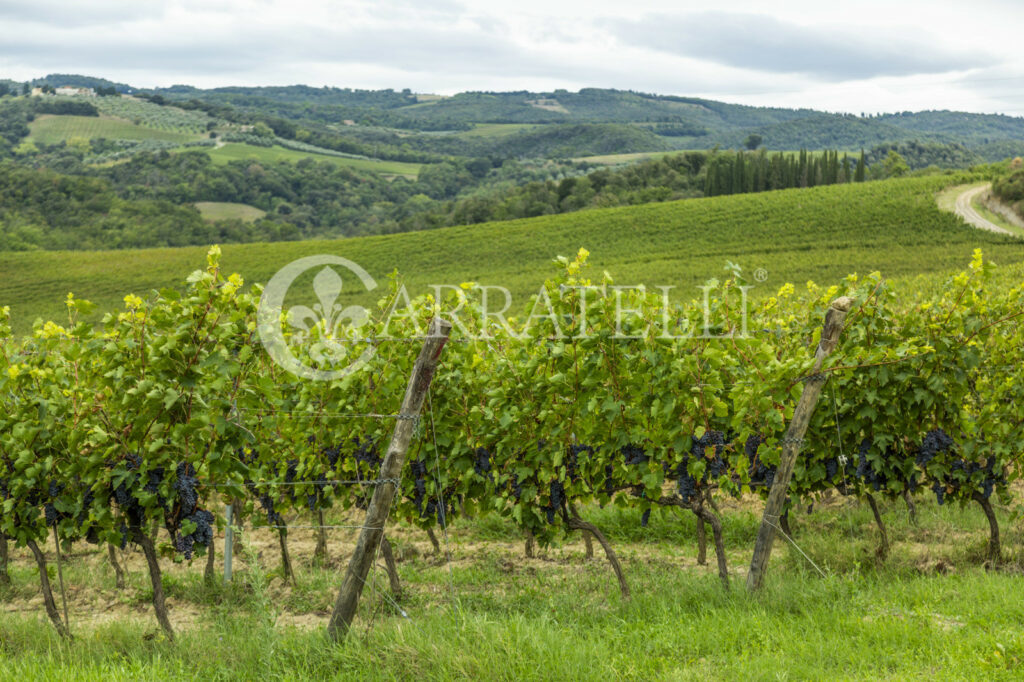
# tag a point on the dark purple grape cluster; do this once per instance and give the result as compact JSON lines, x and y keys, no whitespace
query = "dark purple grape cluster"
{"x":419,"y":472}
{"x":366,"y":452}
{"x":760,"y":473}
{"x":557,"y":495}
{"x":185,"y":485}
{"x":202,"y":535}
{"x":633,"y":455}
{"x":482,"y":463}
{"x":935,"y":442}
{"x":714,"y":441}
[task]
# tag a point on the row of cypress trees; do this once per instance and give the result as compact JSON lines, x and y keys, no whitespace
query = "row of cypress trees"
{"x":759,"y":171}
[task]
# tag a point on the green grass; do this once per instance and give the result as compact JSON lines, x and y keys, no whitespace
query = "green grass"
{"x":616,"y":159}
{"x":995,"y":218}
{"x":495,"y":130}
{"x":49,"y":129}
{"x":795,"y":235}
{"x":235,"y":151}
{"x":928,"y":612}
{"x":225,"y":210}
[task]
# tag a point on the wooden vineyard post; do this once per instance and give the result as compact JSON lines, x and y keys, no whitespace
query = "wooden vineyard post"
{"x":390,"y":470}
{"x":792,"y":442}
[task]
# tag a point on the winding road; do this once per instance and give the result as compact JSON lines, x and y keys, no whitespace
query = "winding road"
{"x":965,"y":209}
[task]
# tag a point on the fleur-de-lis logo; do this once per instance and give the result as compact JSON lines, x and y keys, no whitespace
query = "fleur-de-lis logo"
{"x":320,"y":332}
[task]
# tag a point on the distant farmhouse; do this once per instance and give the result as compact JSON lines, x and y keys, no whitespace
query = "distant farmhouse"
{"x":65,"y":91}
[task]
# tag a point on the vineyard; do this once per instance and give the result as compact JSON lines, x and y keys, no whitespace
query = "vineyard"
{"x":138,"y":433}
{"x":821,"y":233}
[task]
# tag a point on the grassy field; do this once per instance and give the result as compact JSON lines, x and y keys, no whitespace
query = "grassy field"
{"x":235,"y":151}
{"x":928,"y":612}
{"x":225,"y":210}
{"x":616,"y":159}
{"x":48,"y":129}
{"x":794,"y":235}
{"x":495,"y":130}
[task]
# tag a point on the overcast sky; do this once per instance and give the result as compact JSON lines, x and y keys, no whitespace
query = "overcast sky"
{"x":857,"y":56}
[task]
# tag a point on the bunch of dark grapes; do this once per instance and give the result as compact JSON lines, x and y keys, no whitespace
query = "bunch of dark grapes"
{"x":332,"y":454}
{"x":202,"y":535}
{"x":935,"y":442}
{"x":716,"y":464}
{"x":686,"y":484}
{"x":557,"y":492}
{"x":633,"y":455}
{"x":273,"y":517}
{"x":419,"y":472}
{"x":864,"y":470}
{"x":366,"y":452}
{"x":440,"y":509}
{"x":185,"y":484}
{"x":609,"y":479}
{"x":482,"y":463}
{"x":760,"y":473}
{"x":54,"y":491}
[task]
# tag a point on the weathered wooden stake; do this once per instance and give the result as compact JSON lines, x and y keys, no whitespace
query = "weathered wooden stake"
{"x":793,"y":440}
{"x":391,"y":469}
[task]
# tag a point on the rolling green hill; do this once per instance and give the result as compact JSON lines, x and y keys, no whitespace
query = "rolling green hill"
{"x":820,"y":233}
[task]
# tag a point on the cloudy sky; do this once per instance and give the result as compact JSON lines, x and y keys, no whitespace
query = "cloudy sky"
{"x":863,"y":56}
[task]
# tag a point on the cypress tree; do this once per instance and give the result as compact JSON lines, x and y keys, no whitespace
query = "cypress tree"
{"x":859,"y":174}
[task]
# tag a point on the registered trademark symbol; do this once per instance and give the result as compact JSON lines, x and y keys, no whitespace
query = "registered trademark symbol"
{"x":760,"y":274}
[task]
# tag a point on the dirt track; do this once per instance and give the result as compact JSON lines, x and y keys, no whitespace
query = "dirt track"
{"x":966,"y":210}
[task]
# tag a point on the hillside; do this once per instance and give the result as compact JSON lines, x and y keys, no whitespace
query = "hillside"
{"x":820,"y":233}
{"x":680,"y":122}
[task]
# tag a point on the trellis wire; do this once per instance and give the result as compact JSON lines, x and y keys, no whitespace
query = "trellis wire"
{"x":444,"y":512}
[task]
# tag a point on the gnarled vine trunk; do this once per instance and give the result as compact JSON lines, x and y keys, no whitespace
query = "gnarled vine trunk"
{"x":5,"y":577}
{"x":44,"y":584}
{"x":320,"y":552}
{"x":286,"y":559}
{"x":433,"y":541}
{"x":576,"y":523}
{"x":702,"y":542}
{"x":389,"y":562}
{"x":156,"y":578}
{"x":118,"y":571}
{"x":529,"y":545}
{"x":911,"y":507}
{"x":883,"y":537}
{"x":995,"y":552}
{"x":784,"y":524}
{"x":209,"y":574}
{"x":705,"y":515}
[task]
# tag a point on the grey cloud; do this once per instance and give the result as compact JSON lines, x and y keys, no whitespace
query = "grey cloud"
{"x":248,"y":48}
{"x":63,"y":14}
{"x":762,"y":43}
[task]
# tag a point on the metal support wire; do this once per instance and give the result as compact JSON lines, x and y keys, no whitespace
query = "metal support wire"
{"x":444,"y":512}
